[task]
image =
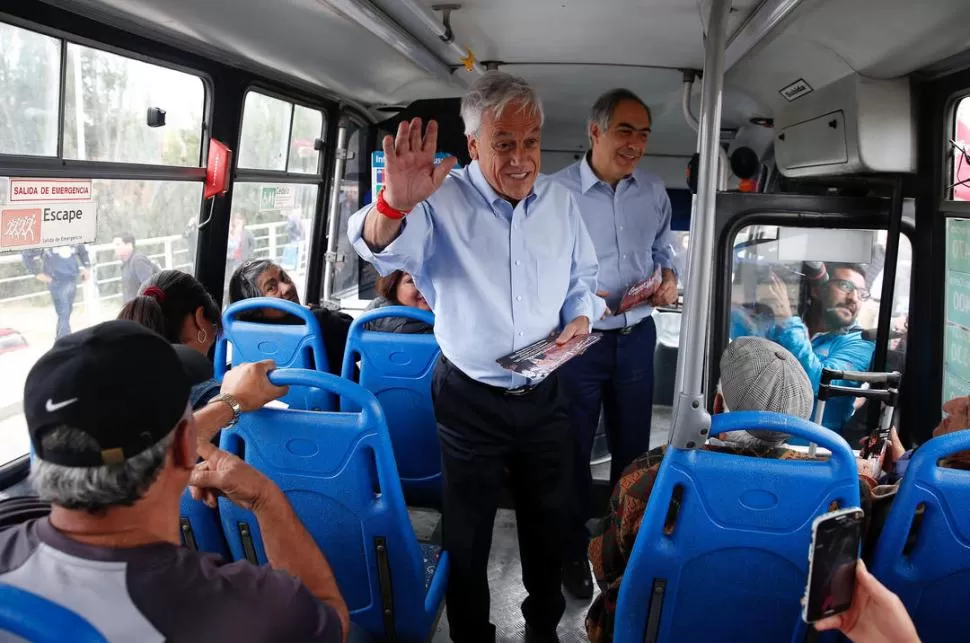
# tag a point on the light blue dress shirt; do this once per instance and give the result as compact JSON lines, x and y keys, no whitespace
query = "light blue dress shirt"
{"x":630,"y":228}
{"x":497,"y":277}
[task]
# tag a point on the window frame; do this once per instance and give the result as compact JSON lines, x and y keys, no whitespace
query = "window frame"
{"x":246,"y":174}
{"x":947,"y":202}
{"x":59,"y":166}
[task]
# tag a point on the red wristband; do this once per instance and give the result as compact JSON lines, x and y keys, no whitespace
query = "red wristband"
{"x":387,"y":210}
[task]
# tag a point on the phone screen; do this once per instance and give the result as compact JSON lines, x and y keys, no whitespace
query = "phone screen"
{"x":832,"y":580}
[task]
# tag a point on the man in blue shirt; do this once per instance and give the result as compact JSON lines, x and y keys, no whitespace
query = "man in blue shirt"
{"x":59,"y":268}
{"x":503,"y":259}
{"x":627,"y":213}
{"x":828,"y":336}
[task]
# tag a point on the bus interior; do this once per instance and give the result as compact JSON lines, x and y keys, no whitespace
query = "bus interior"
{"x":841,"y":134}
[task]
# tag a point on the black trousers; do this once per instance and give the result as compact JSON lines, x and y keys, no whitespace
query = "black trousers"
{"x":483,"y":431}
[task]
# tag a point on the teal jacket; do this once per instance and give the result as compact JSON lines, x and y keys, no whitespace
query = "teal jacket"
{"x":841,"y":350}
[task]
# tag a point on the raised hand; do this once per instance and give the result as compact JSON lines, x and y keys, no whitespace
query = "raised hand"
{"x":411,"y":175}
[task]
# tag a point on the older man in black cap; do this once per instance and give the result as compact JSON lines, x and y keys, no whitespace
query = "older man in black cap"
{"x":115,"y":444}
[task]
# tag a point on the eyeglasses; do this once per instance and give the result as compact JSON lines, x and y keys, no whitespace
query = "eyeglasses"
{"x":847,"y":286}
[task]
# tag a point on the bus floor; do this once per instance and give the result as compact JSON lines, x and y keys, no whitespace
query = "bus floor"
{"x":505,"y":572}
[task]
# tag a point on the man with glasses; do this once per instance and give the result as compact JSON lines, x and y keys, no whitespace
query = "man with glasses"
{"x":828,"y":335}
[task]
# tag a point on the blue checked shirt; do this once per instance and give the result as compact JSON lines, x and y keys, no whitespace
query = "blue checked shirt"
{"x":497,"y":277}
{"x":630,"y":229}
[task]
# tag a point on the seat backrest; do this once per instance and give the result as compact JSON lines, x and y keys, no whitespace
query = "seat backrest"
{"x":34,"y":618}
{"x":338,"y":472}
{"x":923,"y":552}
{"x":722,"y":552}
{"x":397,"y":368}
{"x":289,"y":345}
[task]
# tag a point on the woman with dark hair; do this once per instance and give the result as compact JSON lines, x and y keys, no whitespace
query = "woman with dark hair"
{"x":398,"y":289}
{"x":265,"y":278}
{"x":179,"y":308}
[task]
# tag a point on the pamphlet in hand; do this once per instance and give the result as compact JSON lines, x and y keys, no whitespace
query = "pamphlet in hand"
{"x":640,"y":292}
{"x":537,"y":361}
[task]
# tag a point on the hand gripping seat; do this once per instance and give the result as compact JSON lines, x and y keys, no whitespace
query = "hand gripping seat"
{"x":337,"y":470}
{"x":290,"y":345}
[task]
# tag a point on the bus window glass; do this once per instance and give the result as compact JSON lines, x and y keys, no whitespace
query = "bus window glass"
{"x":107,"y":102}
{"x":265,"y":133}
{"x":79,"y":286}
{"x":29,"y":81}
{"x":272,"y":221}
{"x":345,"y":273}
{"x":307,"y":128}
{"x":961,"y":152}
{"x":956,"y":371}
{"x":817,"y":293}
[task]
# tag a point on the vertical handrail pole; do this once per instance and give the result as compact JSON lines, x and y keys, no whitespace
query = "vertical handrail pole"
{"x":691,"y":422}
{"x":333,"y":213}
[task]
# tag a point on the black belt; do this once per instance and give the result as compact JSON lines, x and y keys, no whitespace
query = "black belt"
{"x":513,"y":392}
{"x":626,"y":330}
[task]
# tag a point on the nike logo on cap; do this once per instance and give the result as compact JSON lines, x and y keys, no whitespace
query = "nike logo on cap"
{"x":52,"y":407}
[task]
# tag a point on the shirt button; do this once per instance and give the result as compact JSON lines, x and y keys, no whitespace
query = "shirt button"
{"x":519,"y":298}
{"x":517,"y":262}
{"x":624,"y":256}
{"x":521,"y":333}
{"x":621,"y":228}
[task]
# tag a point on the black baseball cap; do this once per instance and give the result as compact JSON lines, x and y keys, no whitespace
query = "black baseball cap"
{"x":119,"y":382}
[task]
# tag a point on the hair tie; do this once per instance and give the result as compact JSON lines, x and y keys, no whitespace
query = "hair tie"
{"x":157,"y":293}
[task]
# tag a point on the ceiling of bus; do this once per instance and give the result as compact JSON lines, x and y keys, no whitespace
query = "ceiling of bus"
{"x":635,"y":43}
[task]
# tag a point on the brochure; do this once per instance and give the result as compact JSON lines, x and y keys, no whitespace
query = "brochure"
{"x":640,"y":292}
{"x":537,"y":361}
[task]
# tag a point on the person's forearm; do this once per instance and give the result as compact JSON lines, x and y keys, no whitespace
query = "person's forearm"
{"x":210,"y":418}
{"x":380,"y":231}
{"x":290,"y":548}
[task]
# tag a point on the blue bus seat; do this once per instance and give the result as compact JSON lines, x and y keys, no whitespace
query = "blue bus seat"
{"x":722,"y":552}
{"x":337,"y":470}
{"x":34,"y":618}
{"x":290,"y":345}
{"x":200,"y":527}
{"x":397,"y":368}
{"x":926,"y":560}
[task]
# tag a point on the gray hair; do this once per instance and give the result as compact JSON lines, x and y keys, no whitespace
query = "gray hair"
{"x":494,"y":91}
{"x":605,"y":105}
{"x":95,"y":489}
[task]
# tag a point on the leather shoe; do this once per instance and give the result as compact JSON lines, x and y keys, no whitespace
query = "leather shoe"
{"x":577,"y":579}
{"x":533,"y":636}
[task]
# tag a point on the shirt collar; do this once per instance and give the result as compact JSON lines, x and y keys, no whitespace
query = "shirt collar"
{"x":482,"y":185}
{"x":588,"y":178}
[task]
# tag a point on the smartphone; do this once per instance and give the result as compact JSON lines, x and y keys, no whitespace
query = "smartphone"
{"x":875,"y":451}
{"x":836,"y":538}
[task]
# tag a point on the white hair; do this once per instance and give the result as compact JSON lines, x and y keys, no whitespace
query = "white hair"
{"x":94,"y":489}
{"x":494,"y":91}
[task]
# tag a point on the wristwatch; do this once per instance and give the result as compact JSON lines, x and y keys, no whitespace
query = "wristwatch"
{"x":233,"y":404}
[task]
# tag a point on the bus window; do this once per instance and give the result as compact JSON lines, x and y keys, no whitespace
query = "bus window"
{"x":346,"y":276}
{"x":115,"y":96}
{"x":961,"y":152}
{"x":46,"y":292}
{"x":817,"y":292}
{"x":29,"y":71}
{"x":273,"y":219}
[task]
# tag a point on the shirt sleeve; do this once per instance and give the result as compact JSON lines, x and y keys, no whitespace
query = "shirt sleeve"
{"x":663,"y":244}
{"x":30,"y":258}
{"x":581,"y":298}
{"x":144,"y":269}
{"x":850,"y":356}
{"x":407,"y":252}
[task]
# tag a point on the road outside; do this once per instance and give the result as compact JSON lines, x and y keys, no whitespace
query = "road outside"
{"x":37,"y":324}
